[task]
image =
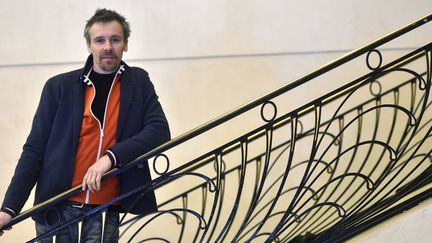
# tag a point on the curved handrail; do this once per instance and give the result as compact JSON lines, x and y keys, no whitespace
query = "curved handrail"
{"x":227,"y":116}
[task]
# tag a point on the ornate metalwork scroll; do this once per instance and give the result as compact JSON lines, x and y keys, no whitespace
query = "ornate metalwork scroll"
{"x":322,"y":172}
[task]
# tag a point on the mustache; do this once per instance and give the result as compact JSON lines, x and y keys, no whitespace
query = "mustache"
{"x":108,"y":54}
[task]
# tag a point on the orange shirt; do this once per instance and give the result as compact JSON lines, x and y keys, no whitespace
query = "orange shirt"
{"x":94,"y":141}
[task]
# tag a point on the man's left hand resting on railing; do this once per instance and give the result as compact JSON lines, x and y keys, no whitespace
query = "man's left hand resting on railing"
{"x":92,"y":179}
{"x":4,"y":220}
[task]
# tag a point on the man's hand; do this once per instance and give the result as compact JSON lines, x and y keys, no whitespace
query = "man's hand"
{"x":92,"y":179}
{"x":4,"y":220}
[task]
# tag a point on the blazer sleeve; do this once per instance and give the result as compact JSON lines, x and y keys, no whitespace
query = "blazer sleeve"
{"x":30,"y":162}
{"x":153,"y":131}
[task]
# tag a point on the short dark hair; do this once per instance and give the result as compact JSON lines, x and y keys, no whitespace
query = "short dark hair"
{"x":106,"y":15}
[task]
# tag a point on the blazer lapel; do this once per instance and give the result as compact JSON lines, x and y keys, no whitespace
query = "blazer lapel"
{"x":126,"y":94}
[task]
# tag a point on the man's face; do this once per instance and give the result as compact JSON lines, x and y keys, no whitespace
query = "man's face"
{"x":107,"y":45}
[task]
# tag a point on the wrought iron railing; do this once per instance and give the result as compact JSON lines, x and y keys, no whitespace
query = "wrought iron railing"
{"x":323,"y":172}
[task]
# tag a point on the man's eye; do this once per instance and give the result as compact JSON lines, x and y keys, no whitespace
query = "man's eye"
{"x":115,"y":40}
{"x":99,"y":41}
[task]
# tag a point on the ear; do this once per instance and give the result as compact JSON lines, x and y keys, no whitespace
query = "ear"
{"x":125,"y":49}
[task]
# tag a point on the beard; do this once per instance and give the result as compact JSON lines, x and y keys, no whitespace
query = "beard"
{"x":109,"y":64}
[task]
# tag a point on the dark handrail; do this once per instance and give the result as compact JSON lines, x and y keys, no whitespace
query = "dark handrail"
{"x":227,"y":116}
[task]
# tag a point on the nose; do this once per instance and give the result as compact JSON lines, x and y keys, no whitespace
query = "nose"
{"x":108,"y":45}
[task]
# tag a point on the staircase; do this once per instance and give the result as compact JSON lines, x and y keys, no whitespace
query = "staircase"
{"x":325,"y":171}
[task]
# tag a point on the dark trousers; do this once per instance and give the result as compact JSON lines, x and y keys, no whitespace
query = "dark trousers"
{"x":92,"y":227}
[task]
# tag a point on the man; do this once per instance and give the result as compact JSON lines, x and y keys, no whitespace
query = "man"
{"x":89,"y":121}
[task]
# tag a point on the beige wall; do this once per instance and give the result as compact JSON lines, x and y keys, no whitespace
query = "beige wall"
{"x":412,"y":226}
{"x":205,"y":57}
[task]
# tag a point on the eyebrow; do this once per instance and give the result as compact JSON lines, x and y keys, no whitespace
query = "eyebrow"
{"x":103,"y":37}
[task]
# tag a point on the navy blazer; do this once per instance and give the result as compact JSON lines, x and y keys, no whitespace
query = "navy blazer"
{"x":49,"y":153}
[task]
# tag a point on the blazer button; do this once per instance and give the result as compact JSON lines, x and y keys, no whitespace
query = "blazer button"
{"x":140,"y":166}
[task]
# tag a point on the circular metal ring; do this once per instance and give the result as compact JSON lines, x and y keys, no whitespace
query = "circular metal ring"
{"x":371,"y":90}
{"x":167,"y":164}
{"x":368,"y":59}
{"x":273,"y":105}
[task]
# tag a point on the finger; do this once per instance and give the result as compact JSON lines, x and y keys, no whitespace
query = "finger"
{"x":88,"y":182}
{"x":98,"y":182}
{"x":92,"y":183}
{"x":89,"y":186}
{"x":84,"y":183}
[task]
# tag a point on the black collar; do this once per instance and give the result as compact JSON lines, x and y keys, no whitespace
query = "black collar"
{"x":89,"y":66}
